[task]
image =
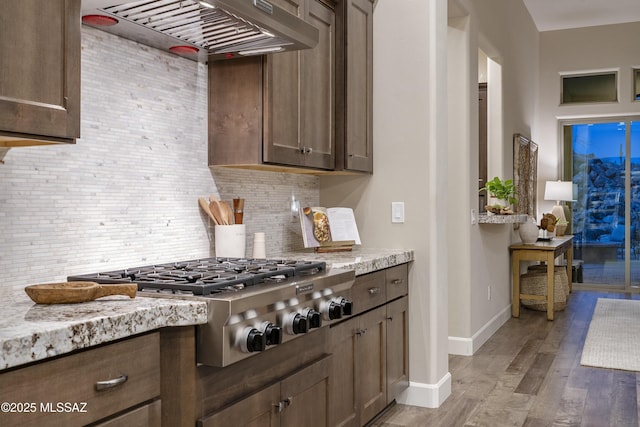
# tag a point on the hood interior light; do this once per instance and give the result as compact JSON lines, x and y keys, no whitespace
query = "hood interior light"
{"x":99,"y":20}
{"x":205,"y":4}
{"x":185,"y":50}
{"x":261,"y":51}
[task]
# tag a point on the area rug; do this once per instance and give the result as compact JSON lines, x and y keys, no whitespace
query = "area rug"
{"x":613,"y":339}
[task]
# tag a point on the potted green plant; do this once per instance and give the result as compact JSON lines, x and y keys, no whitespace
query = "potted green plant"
{"x":503,"y":193}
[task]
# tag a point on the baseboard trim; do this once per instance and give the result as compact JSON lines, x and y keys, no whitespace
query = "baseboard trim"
{"x":468,"y":346}
{"x":426,"y":395}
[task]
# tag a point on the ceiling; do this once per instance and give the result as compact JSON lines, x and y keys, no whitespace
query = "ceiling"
{"x":551,"y":15}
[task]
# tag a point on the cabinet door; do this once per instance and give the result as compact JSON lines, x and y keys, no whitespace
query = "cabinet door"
{"x":257,"y":410}
{"x":343,"y":395}
{"x":397,"y":347}
{"x":283,"y":93}
{"x":299,"y":120}
{"x":318,"y":90}
{"x":372,"y":363}
{"x":359,"y":85}
{"x":40,"y":69}
{"x":304,"y":396}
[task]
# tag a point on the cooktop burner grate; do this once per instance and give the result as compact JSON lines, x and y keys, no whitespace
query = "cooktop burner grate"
{"x":207,"y":276}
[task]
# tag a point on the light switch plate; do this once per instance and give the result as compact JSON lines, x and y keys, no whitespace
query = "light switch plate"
{"x":397,"y":212}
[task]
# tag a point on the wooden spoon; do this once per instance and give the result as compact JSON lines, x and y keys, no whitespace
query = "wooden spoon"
{"x":217,"y":212}
{"x":75,"y":292}
{"x":228,"y":212}
{"x":205,"y":207}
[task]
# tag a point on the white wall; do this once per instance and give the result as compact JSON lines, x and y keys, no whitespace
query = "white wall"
{"x":503,"y":30}
{"x":608,"y":47}
{"x":425,"y":154}
{"x":410,"y":157}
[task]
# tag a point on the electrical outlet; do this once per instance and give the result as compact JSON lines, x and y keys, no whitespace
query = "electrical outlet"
{"x":474,"y":217}
{"x":489,"y":293}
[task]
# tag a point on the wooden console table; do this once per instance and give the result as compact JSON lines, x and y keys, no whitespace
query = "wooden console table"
{"x":540,"y":251}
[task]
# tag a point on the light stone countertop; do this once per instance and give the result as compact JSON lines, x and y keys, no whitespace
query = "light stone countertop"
{"x":362,"y":260}
{"x":30,"y":332}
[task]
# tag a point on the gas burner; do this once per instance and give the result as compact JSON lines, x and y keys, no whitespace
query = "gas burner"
{"x":209,"y":275}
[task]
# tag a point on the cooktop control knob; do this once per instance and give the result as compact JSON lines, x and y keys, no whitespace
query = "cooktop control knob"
{"x":273,"y":333}
{"x":330,"y":310}
{"x":347,"y":305}
{"x":250,"y":340}
{"x":295,"y":323}
{"x":314,"y":318}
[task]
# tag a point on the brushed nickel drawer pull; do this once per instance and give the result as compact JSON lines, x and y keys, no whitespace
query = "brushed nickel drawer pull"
{"x":373,"y":291}
{"x":397,"y":281}
{"x":105,"y":385}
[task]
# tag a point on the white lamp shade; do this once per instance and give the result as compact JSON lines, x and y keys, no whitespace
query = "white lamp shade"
{"x":558,"y":190}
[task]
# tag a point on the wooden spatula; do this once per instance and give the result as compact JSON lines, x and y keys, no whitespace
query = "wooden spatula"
{"x":205,"y":207}
{"x":217,"y":212}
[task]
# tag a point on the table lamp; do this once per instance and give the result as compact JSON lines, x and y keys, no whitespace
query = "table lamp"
{"x":558,"y":191}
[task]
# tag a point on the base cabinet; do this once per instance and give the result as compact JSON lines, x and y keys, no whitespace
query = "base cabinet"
{"x":95,"y":385}
{"x":397,"y":347}
{"x":369,"y":365}
{"x":297,"y":400}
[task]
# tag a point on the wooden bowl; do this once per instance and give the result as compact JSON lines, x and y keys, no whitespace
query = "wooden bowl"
{"x":76,"y":292}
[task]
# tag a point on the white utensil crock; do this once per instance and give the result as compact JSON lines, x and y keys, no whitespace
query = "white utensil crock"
{"x":230,"y":241}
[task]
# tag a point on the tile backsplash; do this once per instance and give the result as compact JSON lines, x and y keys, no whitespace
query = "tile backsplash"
{"x":126,"y":193}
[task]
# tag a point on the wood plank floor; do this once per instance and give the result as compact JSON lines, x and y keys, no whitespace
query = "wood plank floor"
{"x":529,"y":374}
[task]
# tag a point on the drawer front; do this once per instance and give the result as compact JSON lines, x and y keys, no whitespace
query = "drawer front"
{"x":397,"y":281}
{"x":368,"y":291}
{"x":86,"y":386}
{"x":149,"y":415}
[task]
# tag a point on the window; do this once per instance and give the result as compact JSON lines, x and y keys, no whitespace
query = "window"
{"x":601,"y":87}
{"x":636,"y":84}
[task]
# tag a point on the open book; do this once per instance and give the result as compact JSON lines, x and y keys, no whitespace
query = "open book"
{"x":328,"y":227}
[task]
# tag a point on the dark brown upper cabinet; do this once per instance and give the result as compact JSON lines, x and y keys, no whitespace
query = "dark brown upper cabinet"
{"x":277,"y":111}
{"x":39,"y":72}
{"x":308,"y":111}
{"x":355,"y":86}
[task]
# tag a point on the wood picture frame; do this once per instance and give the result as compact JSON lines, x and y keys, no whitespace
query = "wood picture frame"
{"x":525,"y":174}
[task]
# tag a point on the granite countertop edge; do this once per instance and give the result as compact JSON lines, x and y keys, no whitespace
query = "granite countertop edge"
{"x":30,"y":332}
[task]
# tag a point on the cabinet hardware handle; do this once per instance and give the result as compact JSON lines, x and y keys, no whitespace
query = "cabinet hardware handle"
{"x":373,"y":291}
{"x":105,"y":385}
{"x":390,"y":318}
{"x":283,"y":404}
{"x":361,"y":331}
{"x":397,"y":281}
{"x":309,"y":150}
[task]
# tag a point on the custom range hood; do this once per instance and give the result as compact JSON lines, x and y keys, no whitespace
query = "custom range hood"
{"x":203,"y":29}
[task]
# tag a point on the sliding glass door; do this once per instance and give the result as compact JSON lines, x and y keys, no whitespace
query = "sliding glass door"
{"x":604,"y":165}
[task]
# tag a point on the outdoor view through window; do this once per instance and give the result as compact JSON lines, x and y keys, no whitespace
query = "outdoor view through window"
{"x":604,"y":166}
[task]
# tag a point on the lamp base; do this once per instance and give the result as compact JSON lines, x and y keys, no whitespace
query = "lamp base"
{"x":558,"y":212}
